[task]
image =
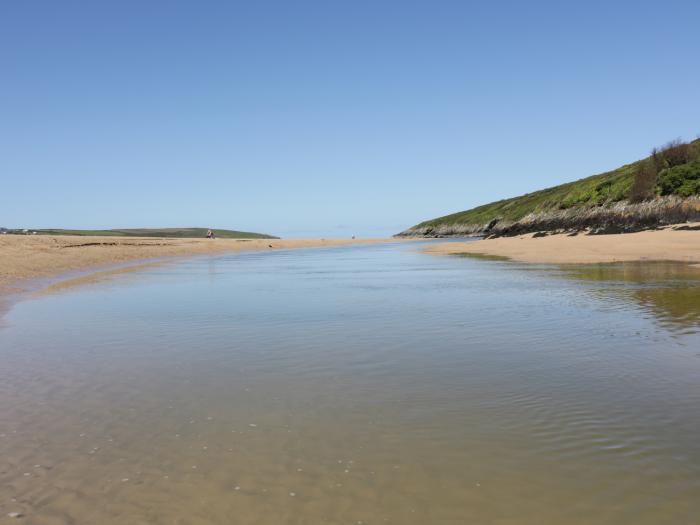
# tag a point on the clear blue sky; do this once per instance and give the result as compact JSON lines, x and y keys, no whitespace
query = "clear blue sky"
{"x":326,"y":118}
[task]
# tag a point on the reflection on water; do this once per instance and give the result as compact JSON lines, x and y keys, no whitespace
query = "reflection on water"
{"x":355,"y":385}
{"x":670,"y":291}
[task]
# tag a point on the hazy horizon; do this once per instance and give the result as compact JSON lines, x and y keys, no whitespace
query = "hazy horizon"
{"x":322,"y":120}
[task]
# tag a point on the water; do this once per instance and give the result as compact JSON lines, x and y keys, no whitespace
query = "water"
{"x":370,"y":384}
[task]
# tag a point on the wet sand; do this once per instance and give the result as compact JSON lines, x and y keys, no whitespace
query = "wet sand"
{"x":23,"y":258}
{"x":658,"y":245}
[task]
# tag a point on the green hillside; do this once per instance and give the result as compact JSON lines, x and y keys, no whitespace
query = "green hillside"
{"x":668,"y":171}
{"x":159,"y":232}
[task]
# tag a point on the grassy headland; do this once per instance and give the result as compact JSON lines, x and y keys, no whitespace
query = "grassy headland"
{"x":663,"y":188}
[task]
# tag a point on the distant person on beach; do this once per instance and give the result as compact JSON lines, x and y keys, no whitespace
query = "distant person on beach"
{"x":210,"y":234}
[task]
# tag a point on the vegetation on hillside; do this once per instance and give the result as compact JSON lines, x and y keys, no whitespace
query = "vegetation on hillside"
{"x":683,"y":180}
{"x":671,"y":170}
{"x":159,"y":232}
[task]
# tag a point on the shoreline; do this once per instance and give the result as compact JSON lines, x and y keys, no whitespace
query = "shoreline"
{"x":651,"y":245}
{"x":33,"y":263}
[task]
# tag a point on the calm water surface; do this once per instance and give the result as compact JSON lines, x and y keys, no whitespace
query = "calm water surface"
{"x":353,"y":385}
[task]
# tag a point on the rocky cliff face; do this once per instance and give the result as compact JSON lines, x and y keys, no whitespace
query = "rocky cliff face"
{"x":620,"y":217}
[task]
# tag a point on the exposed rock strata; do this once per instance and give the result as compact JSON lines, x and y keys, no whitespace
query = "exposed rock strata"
{"x":619,"y":217}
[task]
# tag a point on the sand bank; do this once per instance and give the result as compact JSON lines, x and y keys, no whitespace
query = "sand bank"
{"x":23,"y":258}
{"x":658,"y":245}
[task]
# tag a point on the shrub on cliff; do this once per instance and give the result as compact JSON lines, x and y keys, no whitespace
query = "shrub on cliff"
{"x":669,"y":160}
{"x":683,"y":180}
{"x":644,"y":181}
{"x":675,"y":153}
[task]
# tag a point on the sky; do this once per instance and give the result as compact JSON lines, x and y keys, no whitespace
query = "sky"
{"x":327,"y":118}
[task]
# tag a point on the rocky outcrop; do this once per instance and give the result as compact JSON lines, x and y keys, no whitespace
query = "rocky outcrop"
{"x":619,"y":217}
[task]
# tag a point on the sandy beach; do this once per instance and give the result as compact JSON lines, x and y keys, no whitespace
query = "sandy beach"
{"x":658,"y":245}
{"x":23,"y":258}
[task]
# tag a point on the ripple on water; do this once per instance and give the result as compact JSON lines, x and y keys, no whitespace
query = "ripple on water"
{"x":354,"y":385}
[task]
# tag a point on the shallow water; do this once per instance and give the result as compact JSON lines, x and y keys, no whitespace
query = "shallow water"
{"x":371,"y":384}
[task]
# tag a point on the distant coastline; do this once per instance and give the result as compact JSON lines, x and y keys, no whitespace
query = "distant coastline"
{"x":179,"y":233}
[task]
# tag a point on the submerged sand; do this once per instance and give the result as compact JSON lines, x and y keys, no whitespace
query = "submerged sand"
{"x":363,"y":386}
{"x":658,"y":245}
{"x":23,"y":258}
